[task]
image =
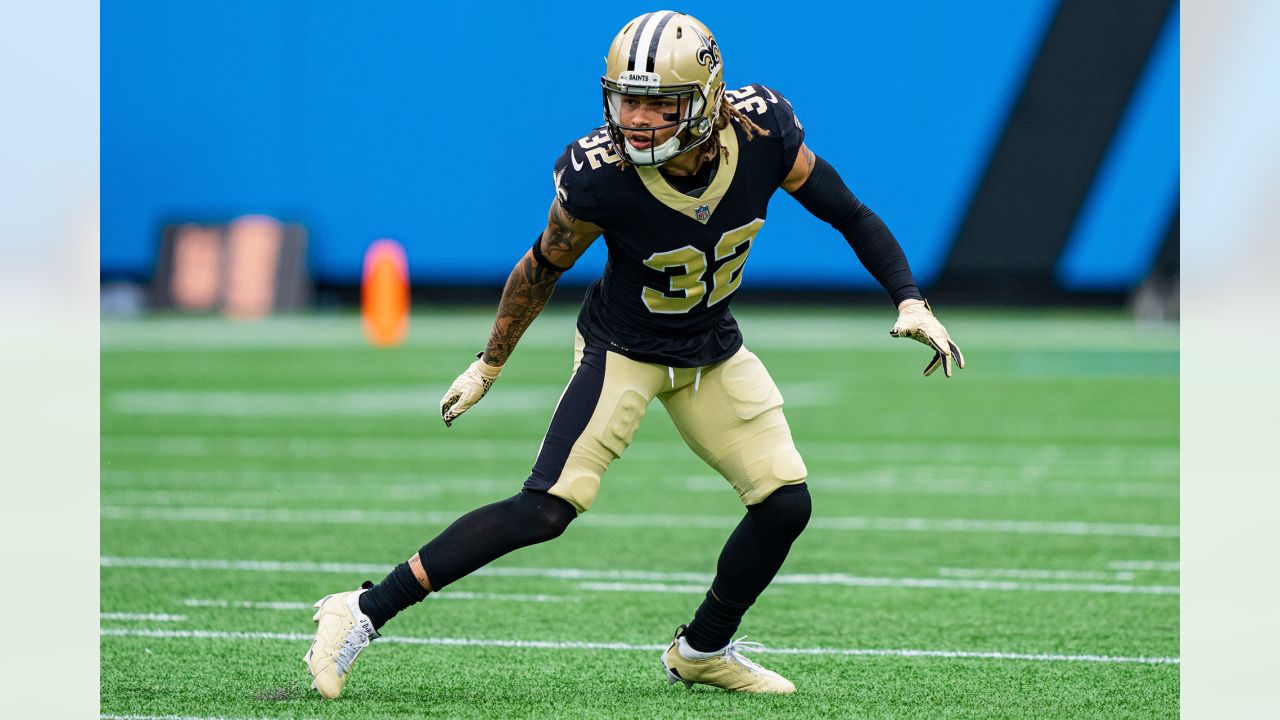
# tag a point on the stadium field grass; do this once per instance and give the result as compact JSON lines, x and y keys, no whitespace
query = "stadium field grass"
{"x":1003,"y":544}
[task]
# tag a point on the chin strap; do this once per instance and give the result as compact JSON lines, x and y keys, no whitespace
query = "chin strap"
{"x":655,"y":155}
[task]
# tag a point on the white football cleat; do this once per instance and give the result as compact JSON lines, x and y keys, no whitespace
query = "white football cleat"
{"x":342,"y":633}
{"x":727,"y":668}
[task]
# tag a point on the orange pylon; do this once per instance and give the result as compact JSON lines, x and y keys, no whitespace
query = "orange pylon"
{"x":385,"y":293}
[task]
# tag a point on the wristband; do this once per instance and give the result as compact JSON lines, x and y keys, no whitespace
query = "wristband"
{"x":541,"y":259}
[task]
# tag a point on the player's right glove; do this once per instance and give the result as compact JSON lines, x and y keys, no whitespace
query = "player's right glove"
{"x":916,"y":321}
{"x":468,"y":389}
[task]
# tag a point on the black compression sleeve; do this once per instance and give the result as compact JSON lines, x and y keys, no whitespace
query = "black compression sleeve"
{"x":825,"y":195}
{"x":748,"y":563}
{"x":487,"y":533}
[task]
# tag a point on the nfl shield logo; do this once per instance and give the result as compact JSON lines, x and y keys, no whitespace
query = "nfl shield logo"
{"x":703,"y":212}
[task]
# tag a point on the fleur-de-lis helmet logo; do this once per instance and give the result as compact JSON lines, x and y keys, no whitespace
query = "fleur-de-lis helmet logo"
{"x":709,"y":54}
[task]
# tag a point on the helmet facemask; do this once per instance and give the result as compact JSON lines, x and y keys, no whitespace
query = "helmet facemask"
{"x":693,"y":125}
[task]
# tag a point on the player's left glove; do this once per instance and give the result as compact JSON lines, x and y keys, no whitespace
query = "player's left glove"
{"x":467,"y":390}
{"x":916,"y":321}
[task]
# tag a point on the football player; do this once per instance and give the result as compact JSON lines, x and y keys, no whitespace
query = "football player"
{"x":678,"y":182}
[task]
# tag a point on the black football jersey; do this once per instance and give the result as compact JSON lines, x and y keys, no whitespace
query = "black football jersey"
{"x":676,"y":259}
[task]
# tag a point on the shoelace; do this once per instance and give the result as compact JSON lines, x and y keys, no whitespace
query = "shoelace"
{"x":349,"y":650}
{"x":737,"y":647}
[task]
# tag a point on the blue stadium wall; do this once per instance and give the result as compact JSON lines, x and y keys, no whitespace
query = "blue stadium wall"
{"x":1031,"y":143}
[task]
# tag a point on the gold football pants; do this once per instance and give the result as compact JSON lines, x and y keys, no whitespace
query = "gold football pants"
{"x":729,"y":413}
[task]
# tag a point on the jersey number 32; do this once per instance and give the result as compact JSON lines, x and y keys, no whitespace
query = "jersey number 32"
{"x":687,"y":269}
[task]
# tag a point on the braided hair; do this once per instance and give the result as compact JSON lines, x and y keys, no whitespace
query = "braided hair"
{"x":729,"y":113}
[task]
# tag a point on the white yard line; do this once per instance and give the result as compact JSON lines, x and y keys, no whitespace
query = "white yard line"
{"x":917,"y":583}
{"x":337,"y":447}
{"x":143,"y":617}
{"x":136,"y":479}
{"x":415,"y":400}
{"x":131,"y":716}
{"x":1030,"y":574}
{"x":647,"y":577}
{"x":247,"y":565}
{"x":959,"y":584}
{"x":163,"y":487}
{"x":992,"y":483}
{"x":247,"y":604}
{"x":776,"y":332}
{"x":579,"y":645}
{"x":1161,"y":565}
{"x":644,"y":587}
{"x":1029,"y":527}
{"x":286,"y":495}
{"x":322,"y":483}
{"x":441,"y":517}
{"x":312,"y":332}
{"x":451,"y":595}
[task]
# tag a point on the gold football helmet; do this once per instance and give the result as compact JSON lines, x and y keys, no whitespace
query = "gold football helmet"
{"x":667,"y":54}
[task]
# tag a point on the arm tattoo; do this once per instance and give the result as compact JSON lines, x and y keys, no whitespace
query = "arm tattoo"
{"x":527,"y":291}
{"x":560,"y":239}
{"x":530,"y":285}
{"x":809,"y":157}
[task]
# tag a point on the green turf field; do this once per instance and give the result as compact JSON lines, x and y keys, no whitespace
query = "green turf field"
{"x":1003,"y":544}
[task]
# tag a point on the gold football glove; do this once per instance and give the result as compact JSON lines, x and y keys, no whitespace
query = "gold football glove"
{"x":467,"y":390}
{"x":916,"y":321}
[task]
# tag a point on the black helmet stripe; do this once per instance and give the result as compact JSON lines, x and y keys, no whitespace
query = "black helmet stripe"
{"x":635,"y":40}
{"x":657,"y":34}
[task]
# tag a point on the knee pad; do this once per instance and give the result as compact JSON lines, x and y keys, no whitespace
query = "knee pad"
{"x":603,"y":441}
{"x":768,"y":463}
{"x":785,"y":512}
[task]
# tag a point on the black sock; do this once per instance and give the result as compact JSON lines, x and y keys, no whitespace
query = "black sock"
{"x":714,"y":623}
{"x":750,"y":559}
{"x":397,"y":591}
